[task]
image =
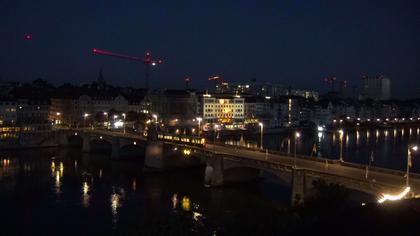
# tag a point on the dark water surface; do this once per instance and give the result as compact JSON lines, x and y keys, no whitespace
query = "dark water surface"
{"x":65,"y":192}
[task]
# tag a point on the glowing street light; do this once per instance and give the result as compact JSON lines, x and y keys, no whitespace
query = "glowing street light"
{"x":57,"y":118}
{"x":320,"y":132}
{"x":124,"y":115}
{"x":389,"y":197}
{"x":85,"y":116}
{"x":107,"y":119}
{"x":261,"y":132}
{"x":341,"y":132}
{"x":409,"y":162}
{"x":297,"y":136}
{"x":155,"y":117}
{"x":199,"y":119}
{"x":215,"y":128}
{"x":320,"y":128}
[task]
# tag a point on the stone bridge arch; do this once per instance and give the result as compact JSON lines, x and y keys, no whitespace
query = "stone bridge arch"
{"x":221,"y":170}
{"x":130,"y":148}
{"x":236,"y":172}
{"x":99,"y":144}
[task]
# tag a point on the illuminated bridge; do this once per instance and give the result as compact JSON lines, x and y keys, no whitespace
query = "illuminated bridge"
{"x":229,"y":164}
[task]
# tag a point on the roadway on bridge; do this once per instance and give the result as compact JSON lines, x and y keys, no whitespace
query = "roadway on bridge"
{"x":396,"y":180}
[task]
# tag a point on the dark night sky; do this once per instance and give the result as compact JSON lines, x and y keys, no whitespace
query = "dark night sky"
{"x":290,"y":42}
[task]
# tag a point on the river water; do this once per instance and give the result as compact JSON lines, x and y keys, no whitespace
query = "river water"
{"x":66,"y":192}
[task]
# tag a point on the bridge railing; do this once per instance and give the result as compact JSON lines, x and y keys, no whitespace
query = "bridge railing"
{"x":324,"y":160}
{"x":274,"y":152}
{"x":379,"y":169}
{"x":355,"y":183}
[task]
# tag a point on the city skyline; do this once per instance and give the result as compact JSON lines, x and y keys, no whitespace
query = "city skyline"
{"x":296,"y":44}
{"x":209,"y":117}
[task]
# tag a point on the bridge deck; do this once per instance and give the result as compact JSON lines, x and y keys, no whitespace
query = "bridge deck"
{"x":385,"y":177}
{"x":388,"y":178}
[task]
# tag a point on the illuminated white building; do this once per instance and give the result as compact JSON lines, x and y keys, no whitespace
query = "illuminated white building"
{"x":223,"y":109}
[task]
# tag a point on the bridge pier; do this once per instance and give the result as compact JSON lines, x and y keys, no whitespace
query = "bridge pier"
{"x":86,"y":143}
{"x":115,"y":153}
{"x":63,"y":140}
{"x":213,"y":174}
{"x":218,"y":173}
{"x":298,"y":186}
{"x":154,"y":155}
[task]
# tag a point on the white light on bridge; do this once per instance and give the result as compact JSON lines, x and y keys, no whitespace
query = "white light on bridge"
{"x":135,"y":143}
{"x":100,"y":137}
{"x":320,"y":135}
{"x":118,"y":124}
{"x":75,"y":134}
{"x":389,"y":197}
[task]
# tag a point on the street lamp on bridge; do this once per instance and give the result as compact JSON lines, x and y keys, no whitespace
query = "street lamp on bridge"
{"x":199,"y":119}
{"x":297,"y":136}
{"x":341,"y":132}
{"x":85,"y":117}
{"x":261,"y":132}
{"x":409,"y":162}
{"x":124,"y":115}
{"x":155,"y":117}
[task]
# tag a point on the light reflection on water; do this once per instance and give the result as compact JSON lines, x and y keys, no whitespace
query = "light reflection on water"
{"x":107,"y":195}
{"x":174,"y":201}
{"x":188,"y":206}
{"x":57,"y":183}
{"x":85,"y":194}
{"x":116,"y":199}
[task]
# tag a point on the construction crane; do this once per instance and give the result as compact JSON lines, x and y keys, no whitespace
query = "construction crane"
{"x":343,"y":84}
{"x":147,"y":60}
{"x":187,"y":82}
{"x":214,"y":78}
{"x":330,"y":81}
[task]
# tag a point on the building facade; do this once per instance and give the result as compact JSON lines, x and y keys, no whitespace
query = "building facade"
{"x":376,"y":88}
{"x":223,"y":109}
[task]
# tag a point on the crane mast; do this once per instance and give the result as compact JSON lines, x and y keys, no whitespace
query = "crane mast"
{"x":147,"y":60}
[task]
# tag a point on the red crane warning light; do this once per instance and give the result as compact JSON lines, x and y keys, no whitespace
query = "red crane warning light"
{"x":147,"y":60}
{"x":330,"y":81}
{"x":187,"y":82}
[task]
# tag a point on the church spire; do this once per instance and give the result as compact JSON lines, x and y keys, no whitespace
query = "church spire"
{"x":101,"y":81}
{"x":100,"y":76}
